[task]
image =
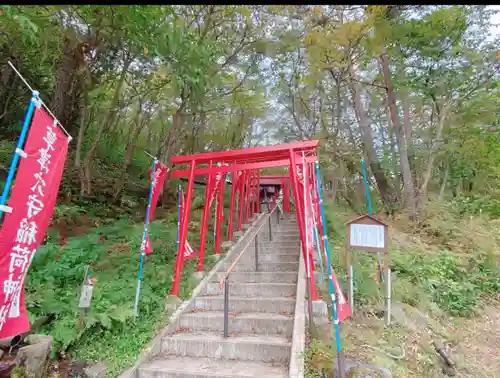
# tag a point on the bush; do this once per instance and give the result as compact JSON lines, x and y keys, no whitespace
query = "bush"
{"x":318,"y":359}
{"x":109,"y":330}
{"x":455,"y":280}
{"x":475,"y":204}
{"x":456,"y":286}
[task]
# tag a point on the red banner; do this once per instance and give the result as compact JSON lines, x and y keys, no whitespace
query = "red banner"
{"x":343,"y":309}
{"x":214,"y":188}
{"x":160,"y":176}
{"x":188,"y":250}
{"x":33,"y":198}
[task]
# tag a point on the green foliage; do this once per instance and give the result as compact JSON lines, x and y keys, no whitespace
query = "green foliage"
{"x":476,"y":204}
{"x":318,"y":359}
{"x":20,"y":372}
{"x":457,"y":283}
{"x":66,"y":211}
{"x":456,"y":286}
{"x":205,"y":78}
{"x":109,"y":330}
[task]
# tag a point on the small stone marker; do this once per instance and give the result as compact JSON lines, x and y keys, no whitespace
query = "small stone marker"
{"x":86,"y":296}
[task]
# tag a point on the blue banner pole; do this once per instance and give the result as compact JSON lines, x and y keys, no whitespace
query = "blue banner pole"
{"x":316,"y":228}
{"x":318,"y":250}
{"x":333,"y":295}
{"x":17,"y":153}
{"x":367,"y":189}
{"x":144,"y":237}
{"x":370,"y":212}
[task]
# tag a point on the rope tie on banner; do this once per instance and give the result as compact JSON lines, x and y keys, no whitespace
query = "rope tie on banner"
{"x":19,"y":152}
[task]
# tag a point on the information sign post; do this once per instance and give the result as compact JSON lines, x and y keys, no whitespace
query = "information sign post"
{"x":368,"y":234}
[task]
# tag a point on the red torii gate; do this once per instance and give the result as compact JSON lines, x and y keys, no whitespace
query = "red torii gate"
{"x":281,"y":180}
{"x":245,"y":166}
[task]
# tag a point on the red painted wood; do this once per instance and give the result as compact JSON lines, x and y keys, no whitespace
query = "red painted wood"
{"x":264,"y":153}
{"x":237,"y":167}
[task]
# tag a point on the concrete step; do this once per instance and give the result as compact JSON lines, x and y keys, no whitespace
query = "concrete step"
{"x":293,"y":251}
{"x":266,"y":256}
{"x":246,"y":322}
{"x":276,"y":305}
{"x":257,"y":289}
{"x":286,"y":227}
{"x":242,"y":347}
{"x":277,"y":257}
{"x":168,"y":366}
{"x":278,"y":244}
{"x":268,"y":267}
{"x":285,"y":277}
{"x":281,"y":228}
{"x":282,"y":241}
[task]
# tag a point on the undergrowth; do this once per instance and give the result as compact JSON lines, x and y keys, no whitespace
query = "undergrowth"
{"x":457,"y":279}
{"x":319,"y":358}
{"x":443,"y":264}
{"x":110,"y":332}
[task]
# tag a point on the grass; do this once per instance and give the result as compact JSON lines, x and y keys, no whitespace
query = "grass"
{"x":446,"y":273}
{"x":110,"y":332}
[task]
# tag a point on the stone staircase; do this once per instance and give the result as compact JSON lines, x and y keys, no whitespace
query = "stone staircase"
{"x":261,"y":317}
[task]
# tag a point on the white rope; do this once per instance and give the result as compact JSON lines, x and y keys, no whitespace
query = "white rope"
{"x":39,"y":99}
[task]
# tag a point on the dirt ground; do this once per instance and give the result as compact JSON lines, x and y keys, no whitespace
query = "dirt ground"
{"x":472,"y":344}
{"x":479,"y":345}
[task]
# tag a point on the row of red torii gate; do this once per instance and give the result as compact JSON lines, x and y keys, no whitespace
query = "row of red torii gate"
{"x":300,"y":178}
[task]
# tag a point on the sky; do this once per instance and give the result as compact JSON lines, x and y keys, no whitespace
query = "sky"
{"x":495,"y":20}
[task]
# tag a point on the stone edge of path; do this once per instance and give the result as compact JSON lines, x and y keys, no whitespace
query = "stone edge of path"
{"x":296,"y":369}
{"x":154,"y":348}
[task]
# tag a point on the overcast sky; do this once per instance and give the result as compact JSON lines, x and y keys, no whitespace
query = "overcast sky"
{"x":495,"y":20}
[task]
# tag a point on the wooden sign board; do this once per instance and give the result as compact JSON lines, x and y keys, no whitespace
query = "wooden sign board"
{"x":367,"y":233}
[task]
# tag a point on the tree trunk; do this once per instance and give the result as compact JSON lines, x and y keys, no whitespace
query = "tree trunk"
{"x":62,"y":100}
{"x":347,"y":125}
{"x":102,"y":127}
{"x":79,"y":140}
{"x":400,"y":137}
{"x":7,"y":92}
{"x":368,"y":144}
{"x":394,"y":156}
{"x":83,"y":124}
{"x":408,"y":131}
{"x":443,"y":184}
{"x":443,"y":114}
{"x":129,"y":151}
{"x":169,"y":144}
{"x":114,"y":106}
